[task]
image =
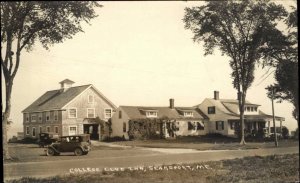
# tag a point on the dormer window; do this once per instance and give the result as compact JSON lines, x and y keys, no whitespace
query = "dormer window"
{"x":151,"y":114}
{"x":188,"y":114}
{"x":211,"y":110}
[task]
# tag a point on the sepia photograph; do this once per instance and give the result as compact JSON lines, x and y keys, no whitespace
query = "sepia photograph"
{"x":150,"y":91}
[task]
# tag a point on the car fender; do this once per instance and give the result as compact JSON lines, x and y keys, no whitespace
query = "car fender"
{"x":57,"y":151}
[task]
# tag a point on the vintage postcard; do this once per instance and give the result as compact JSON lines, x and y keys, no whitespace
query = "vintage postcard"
{"x":150,"y":91}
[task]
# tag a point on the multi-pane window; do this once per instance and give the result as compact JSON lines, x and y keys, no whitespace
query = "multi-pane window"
{"x":40,"y":116}
{"x":55,"y":113}
{"x":27,"y":117}
{"x":219,"y":125}
{"x":91,"y":99}
{"x":108,"y":113}
{"x":27,"y":130}
{"x":33,"y":118}
{"x":56,"y":129}
{"x":73,"y":113}
{"x":211,"y":110}
{"x":48,"y":128}
{"x":33,"y":131}
{"x":91,"y":113}
{"x":48,"y":116}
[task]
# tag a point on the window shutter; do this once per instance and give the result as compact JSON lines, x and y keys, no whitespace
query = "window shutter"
{"x":222,"y":125}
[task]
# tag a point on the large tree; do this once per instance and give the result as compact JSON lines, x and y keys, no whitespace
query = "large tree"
{"x":238,"y":29}
{"x":281,"y":52}
{"x":27,"y":22}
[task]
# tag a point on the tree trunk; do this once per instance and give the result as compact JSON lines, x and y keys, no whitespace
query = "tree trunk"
{"x":243,"y":142}
{"x":5,"y":117}
{"x":242,"y":105}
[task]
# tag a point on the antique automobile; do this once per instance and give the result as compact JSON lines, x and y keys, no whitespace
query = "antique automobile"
{"x":79,"y":144}
{"x":47,"y":139}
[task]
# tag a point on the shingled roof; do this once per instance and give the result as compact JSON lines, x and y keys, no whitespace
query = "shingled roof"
{"x":138,"y":112}
{"x":55,"y":99}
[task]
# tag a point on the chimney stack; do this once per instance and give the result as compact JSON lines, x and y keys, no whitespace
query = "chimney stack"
{"x":171,"y":103}
{"x":216,"y":95}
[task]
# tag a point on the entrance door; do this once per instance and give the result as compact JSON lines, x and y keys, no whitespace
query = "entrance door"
{"x":72,"y":130}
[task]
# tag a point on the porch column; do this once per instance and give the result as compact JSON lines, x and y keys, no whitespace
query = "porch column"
{"x":99,"y":132}
{"x":256,"y":125}
{"x":280,"y":126}
{"x":269,"y":128}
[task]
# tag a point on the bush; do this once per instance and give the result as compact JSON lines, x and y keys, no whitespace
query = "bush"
{"x":285,"y":132}
{"x":114,"y":139}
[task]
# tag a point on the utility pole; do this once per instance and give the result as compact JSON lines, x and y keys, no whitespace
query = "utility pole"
{"x":275,"y":134}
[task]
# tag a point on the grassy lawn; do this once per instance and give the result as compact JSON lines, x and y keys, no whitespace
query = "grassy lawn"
{"x":275,"y":168}
{"x":201,"y":143}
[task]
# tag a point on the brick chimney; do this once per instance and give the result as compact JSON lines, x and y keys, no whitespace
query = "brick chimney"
{"x":172,"y":103}
{"x":65,"y":84}
{"x":216,"y":95}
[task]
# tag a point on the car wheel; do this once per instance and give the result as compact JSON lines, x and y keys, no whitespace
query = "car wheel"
{"x":85,"y":153}
{"x":78,"y":152}
{"x":50,"y":152}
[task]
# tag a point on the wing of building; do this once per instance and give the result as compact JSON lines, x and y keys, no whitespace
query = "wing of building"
{"x":224,"y":116}
{"x":68,"y":111}
{"x":186,"y":120}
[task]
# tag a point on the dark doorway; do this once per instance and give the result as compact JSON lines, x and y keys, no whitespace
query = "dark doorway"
{"x":91,"y":129}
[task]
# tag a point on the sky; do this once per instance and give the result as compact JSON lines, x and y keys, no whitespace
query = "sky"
{"x":137,"y":53}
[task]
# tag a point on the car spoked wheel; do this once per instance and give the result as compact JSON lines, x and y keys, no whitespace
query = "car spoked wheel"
{"x":78,"y":152}
{"x":50,"y":152}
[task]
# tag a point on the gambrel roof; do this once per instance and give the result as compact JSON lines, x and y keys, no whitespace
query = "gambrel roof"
{"x":57,"y":99}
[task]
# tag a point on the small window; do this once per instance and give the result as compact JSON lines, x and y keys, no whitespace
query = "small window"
{"x":41,"y":129}
{"x":56,"y":129}
{"x":91,"y":99}
{"x":40,"y":116}
{"x":91,"y":113}
{"x":48,"y":116}
{"x":124,"y":127}
{"x":108,"y":113}
{"x":211,"y":110}
{"x":33,"y":118}
{"x":55,"y":115}
{"x":255,"y":108}
{"x":248,"y":108}
{"x":48,"y":128}
{"x":27,"y":130}
{"x":73,"y":113}
{"x":219,"y":125}
{"x":33,"y":131}
{"x":120,"y":114}
{"x":27,"y":117}
{"x":252,"y":109}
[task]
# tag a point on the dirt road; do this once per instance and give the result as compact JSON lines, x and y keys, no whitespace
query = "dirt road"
{"x":128,"y":159}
